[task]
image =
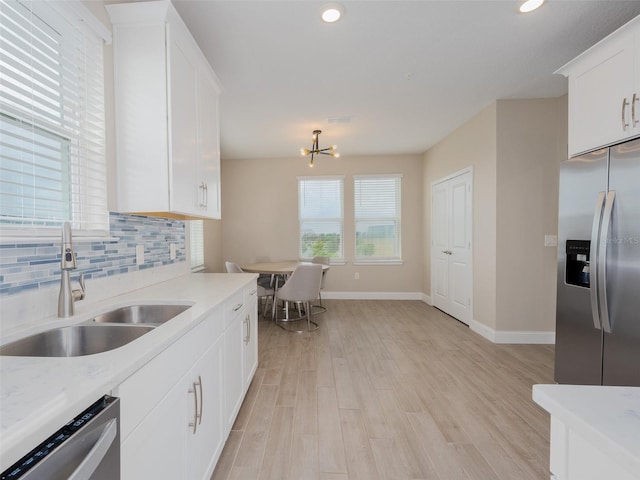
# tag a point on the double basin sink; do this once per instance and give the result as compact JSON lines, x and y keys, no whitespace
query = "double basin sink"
{"x":102,"y":333}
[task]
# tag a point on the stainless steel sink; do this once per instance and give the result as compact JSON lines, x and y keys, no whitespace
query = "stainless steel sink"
{"x":75,"y":341}
{"x":142,"y":314}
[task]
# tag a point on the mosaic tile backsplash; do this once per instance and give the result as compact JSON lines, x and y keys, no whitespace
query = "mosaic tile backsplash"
{"x":28,"y":266}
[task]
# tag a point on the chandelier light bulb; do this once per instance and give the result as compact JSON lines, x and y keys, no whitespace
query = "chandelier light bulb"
{"x":316,"y":150}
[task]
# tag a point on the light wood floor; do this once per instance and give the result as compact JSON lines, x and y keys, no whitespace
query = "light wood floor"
{"x":390,"y":390}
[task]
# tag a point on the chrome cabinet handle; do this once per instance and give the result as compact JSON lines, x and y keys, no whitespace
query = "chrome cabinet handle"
{"x":203,"y":201}
{"x":206,"y":195}
{"x":624,"y":108}
{"x":593,"y":262}
{"x":249,"y":329}
{"x":196,"y":416}
{"x":602,"y":259}
{"x":447,"y":252}
{"x":634,"y":122}
{"x":237,"y":307}
{"x":201,"y":400}
{"x":246,"y":330}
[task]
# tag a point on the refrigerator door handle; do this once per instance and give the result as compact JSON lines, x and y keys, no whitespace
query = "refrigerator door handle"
{"x":593,"y":261}
{"x":602,"y":261}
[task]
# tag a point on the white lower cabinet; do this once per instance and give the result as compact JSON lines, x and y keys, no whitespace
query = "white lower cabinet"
{"x":205,"y":434}
{"x":573,"y":457}
{"x":178,"y":409}
{"x":250,"y":338}
{"x":154,"y":450}
{"x":233,"y":380}
{"x":240,"y":350}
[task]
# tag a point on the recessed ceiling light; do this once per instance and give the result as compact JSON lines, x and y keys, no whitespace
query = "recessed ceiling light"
{"x":332,"y":12}
{"x":530,"y":5}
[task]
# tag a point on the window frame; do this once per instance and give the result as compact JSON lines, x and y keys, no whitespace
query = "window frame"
{"x":382,"y":260}
{"x":88,"y":168}
{"x":340,"y":178}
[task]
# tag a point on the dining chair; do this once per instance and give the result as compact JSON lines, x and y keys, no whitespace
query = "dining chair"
{"x":321,"y":261}
{"x":303,"y":287}
{"x":265,"y":293}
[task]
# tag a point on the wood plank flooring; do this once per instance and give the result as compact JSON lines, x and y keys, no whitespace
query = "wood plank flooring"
{"x":390,"y":390}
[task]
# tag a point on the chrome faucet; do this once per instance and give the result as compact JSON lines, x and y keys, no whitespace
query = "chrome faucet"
{"x":67,"y":296}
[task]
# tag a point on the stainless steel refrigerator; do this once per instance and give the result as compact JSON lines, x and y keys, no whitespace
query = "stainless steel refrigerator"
{"x":598,"y":304}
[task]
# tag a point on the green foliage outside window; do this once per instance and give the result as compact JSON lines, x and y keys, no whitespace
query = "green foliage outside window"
{"x":320,"y":244}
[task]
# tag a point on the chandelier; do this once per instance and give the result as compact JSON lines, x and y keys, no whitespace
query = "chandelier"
{"x":316,"y":150}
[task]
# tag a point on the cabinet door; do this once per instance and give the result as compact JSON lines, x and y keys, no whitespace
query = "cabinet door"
{"x":600,"y":97}
{"x":185,"y":193}
{"x":250,"y":342}
{"x":233,"y":372}
{"x":204,"y":444}
{"x":209,"y":167}
{"x":156,"y":448}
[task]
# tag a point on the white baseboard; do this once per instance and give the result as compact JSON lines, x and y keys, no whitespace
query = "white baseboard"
{"x":519,"y":337}
{"x":373,"y":295}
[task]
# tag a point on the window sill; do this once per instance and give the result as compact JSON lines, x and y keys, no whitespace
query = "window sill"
{"x":378,"y":262}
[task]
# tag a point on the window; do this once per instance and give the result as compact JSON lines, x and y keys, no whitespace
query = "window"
{"x":196,"y":245}
{"x":377,"y":217}
{"x":52,"y":140}
{"x":320,"y":211}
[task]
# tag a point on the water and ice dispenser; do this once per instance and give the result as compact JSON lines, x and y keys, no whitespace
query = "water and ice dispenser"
{"x":577,"y":264}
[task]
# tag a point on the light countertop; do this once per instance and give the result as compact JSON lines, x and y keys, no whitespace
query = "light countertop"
{"x":608,"y":417}
{"x":39,"y":395}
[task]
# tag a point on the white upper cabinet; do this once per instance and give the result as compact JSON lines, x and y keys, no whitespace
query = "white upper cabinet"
{"x":166,"y":108}
{"x":604,"y":91}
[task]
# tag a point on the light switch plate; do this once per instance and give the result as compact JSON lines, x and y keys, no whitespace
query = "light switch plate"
{"x":550,"y":240}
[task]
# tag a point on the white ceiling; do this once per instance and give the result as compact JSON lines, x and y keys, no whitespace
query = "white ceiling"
{"x":407,"y":73}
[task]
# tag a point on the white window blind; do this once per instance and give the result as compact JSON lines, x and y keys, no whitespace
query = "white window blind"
{"x":320,"y":212}
{"x":52,"y":140}
{"x":196,"y":244}
{"x":377,"y":217}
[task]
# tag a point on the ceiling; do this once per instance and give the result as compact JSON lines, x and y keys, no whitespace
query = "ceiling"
{"x":391,"y":77}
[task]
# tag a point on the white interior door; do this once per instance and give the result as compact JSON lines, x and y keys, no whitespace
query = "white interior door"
{"x":451,"y":252}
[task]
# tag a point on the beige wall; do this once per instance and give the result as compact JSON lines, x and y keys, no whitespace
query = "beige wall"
{"x":532,"y":139}
{"x":515,"y":147}
{"x":473,"y":144}
{"x":260,"y":216}
{"x":213,"y":261}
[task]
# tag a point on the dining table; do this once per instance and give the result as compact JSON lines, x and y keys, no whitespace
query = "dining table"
{"x":284,"y":268}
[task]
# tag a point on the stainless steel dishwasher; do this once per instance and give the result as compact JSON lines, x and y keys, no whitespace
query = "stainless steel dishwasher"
{"x":88,"y":447}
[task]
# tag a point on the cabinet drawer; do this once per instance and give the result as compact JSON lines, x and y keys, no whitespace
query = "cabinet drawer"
{"x":232,"y":307}
{"x":250,"y":293}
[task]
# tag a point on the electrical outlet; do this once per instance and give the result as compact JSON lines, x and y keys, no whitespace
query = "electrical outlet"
{"x":172,"y":251}
{"x":139,"y":254}
{"x":357,"y":275}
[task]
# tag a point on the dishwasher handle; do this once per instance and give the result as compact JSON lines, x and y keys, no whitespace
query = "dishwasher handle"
{"x":88,"y":466}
